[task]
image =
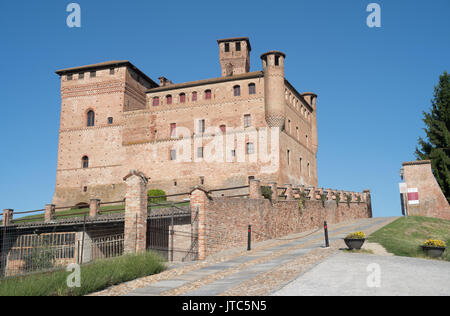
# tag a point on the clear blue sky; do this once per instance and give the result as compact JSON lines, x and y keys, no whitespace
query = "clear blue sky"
{"x":373,"y":83}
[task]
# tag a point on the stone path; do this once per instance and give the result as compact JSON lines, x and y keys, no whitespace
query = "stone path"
{"x":269,"y":266}
{"x":372,"y":275}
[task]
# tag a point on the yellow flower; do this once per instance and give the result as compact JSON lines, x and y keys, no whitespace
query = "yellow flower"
{"x":435,"y":243}
{"x":356,"y":235}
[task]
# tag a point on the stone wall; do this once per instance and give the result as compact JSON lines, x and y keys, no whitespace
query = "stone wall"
{"x":224,"y":221}
{"x":431,"y":200}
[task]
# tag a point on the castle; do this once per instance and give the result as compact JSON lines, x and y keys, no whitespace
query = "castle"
{"x":114,"y":118}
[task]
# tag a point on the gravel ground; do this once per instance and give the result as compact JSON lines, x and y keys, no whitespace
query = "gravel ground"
{"x":262,"y":284}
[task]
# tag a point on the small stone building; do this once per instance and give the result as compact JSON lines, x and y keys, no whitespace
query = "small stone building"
{"x":115,"y":118}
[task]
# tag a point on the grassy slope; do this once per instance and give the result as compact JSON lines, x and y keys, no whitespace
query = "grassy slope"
{"x":404,"y":236}
{"x":95,"y":276}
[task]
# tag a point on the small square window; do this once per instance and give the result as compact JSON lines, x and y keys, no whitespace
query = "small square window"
{"x":111,"y":71}
{"x":69,"y":77}
{"x":84,"y":189}
{"x":202,"y":180}
{"x":93,"y":74}
{"x":81,"y":75}
{"x":110,"y":120}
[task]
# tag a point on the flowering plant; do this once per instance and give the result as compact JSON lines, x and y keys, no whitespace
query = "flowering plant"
{"x":356,"y":235}
{"x":435,"y":243}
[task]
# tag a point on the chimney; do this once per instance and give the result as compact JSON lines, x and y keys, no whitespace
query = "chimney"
{"x":163,"y":81}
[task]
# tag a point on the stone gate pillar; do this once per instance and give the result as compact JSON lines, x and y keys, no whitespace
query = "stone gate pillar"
{"x":136,"y":201}
{"x":199,"y":201}
{"x":255,"y":189}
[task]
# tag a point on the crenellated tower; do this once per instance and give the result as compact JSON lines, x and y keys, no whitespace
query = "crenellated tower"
{"x":273,"y":67}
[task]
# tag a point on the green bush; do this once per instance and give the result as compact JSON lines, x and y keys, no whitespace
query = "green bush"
{"x":95,"y":276}
{"x":156,"y":192}
{"x":266,"y":192}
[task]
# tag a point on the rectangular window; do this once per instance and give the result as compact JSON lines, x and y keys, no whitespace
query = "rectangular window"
{"x":173,"y":130}
{"x":208,"y":94}
{"x":233,"y":153}
{"x":252,"y":88}
{"x":250,"y":148}
{"x":155,"y":101}
{"x":111,"y":71}
{"x":200,"y":152}
{"x":238,"y":46}
{"x":173,"y":154}
{"x":69,"y":77}
{"x":201,"y":126}
{"x":237,"y":91}
{"x":300,"y":165}
{"x":227,"y":47}
{"x":202,"y":180}
{"x":223,"y":129}
{"x":81,"y":75}
{"x":277,"y":60}
{"x":250,"y":178}
{"x":93,"y":74}
{"x":110,"y":120}
{"x":289,"y":157}
{"x":247,"y":120}
{"x":182,"y":98}
{"x":169,"y":99}
{"x":194,"y":96}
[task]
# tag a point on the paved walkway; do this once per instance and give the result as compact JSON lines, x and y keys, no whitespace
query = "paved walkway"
{"x":229,"y":276}
{"x":372,"y":275}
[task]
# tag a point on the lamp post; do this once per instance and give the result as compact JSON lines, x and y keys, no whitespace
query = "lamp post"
{"x":403,"y":192}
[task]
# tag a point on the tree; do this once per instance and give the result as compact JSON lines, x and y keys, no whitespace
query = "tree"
{"x":437,"y":146}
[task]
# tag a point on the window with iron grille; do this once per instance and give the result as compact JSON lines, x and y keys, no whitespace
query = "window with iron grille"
{"x":85,"y":162}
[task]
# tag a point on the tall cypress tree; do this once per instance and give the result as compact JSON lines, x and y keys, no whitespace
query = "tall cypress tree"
{"x":437,"y":146}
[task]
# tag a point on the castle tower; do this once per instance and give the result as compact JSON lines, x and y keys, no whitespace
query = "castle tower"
{"x":234,"y":55}
{"x":273,"y":67}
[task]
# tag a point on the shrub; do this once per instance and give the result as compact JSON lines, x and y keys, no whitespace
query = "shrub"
{"x":435,"y":243}
{"x":156,"y":192}
{"x":348,"y":198}
{"x":338,"y":198}
{"x":302,"y":200}
{"x":356,"y":235}
{"x":266,"y":192}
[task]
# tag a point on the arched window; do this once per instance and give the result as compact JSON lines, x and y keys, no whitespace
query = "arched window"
{"x":194,"y":96}
{"x":237,"y":91}
{"x":182,"y":97}
{"x":85,"y":162}
{"x":90,"y":118}
{"x":251,"y":88}
{"x":169,"y":99}
{"x":208,"y":95}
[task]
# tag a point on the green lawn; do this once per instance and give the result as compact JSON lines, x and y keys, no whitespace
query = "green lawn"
{"x":95,"y":277}
{"x":404,"y":236}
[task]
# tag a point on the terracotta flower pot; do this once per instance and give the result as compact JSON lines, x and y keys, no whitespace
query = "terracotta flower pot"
{"x":354,"y":243}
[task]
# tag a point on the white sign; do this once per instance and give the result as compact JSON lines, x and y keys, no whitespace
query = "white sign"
{"x":402,"y":187}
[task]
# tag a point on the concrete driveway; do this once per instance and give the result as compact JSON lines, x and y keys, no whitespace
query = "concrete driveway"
{"x":364,"y":274}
